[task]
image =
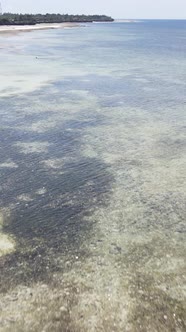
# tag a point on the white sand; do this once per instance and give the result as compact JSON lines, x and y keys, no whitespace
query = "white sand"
{"x":25,"y":28}
{"x":7,"y":244}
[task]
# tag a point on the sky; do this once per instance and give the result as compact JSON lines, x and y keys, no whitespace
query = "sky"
{"x":166,"y":9}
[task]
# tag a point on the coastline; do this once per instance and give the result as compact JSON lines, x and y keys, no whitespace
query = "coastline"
{"x":10,"y":29}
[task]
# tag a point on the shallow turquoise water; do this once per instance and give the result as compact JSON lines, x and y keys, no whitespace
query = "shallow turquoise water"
{"x":92,"y":165}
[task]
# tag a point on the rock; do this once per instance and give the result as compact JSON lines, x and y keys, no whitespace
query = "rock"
{"x":62,"y":309}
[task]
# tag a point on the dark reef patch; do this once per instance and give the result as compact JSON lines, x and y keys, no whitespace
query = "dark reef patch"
{"x":49,"y":205}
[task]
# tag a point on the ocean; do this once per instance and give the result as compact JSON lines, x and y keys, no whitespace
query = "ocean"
{"x":93,"y":178}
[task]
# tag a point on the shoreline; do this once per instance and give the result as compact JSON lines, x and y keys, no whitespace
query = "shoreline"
{"x":10,"y":29}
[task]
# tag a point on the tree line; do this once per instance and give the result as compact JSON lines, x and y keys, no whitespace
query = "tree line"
{"x":31,"y":19}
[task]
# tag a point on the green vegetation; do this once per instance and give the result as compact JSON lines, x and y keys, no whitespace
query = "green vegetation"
{"x":31,"y":19}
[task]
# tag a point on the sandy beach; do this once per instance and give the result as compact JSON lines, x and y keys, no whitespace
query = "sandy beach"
{"x":12,"y":29}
